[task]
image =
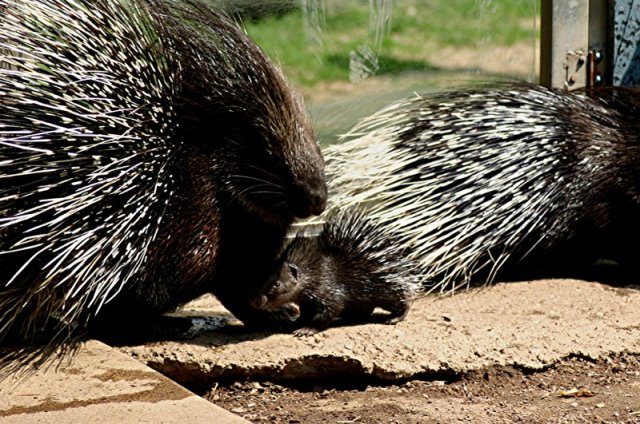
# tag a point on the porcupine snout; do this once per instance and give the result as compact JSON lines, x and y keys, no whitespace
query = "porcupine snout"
{"x":258,"y":301}
{"x":309,"y":197}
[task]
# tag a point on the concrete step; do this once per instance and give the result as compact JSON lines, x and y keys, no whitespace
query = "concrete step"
{"x":102,"y":385}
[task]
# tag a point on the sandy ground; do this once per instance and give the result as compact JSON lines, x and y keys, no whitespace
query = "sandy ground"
{"x":503,"y":353}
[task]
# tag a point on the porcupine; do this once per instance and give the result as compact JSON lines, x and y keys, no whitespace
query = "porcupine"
{"x":349,"y":269}
{"x":149,"y":151}
{"x":511,"y":178}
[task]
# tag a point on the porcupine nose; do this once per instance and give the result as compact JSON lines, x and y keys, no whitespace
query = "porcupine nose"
{"x":258,"y":302}
{"x":310,"y":198}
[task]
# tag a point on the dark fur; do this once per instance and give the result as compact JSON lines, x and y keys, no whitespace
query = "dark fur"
{"x":345,"y":272}
{"x":231,"y":153}
{"x":598,"y":202}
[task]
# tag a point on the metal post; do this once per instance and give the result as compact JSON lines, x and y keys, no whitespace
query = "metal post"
{"x":564,"y":43}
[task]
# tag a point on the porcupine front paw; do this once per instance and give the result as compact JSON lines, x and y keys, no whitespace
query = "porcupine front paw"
{"x":305,"y":331}
{"x":397,"y":315}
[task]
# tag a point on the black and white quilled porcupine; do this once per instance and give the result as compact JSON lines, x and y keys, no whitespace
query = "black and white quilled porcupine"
{"x":512,"y":178}
{"x":353,"y":266}
{"x":149,"y":151}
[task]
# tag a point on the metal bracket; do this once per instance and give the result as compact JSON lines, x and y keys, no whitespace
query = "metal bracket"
{"x":574,"y":67}
{"x":596,"y":67}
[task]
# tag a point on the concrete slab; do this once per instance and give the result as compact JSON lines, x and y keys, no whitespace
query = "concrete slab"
{"x":525,"y":324}
{"x":101,"y":385}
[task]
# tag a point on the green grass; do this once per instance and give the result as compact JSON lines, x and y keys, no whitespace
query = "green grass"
{"x":418,"y":28}
{"x":465,"y":22}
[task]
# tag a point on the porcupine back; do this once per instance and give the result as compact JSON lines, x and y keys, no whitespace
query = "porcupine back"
{"x":502,"y":178}
{"x":143,"y":144}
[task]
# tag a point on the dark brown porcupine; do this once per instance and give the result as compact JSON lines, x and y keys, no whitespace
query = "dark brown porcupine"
{"x":349,"y":269}
{"x":149,"y":151}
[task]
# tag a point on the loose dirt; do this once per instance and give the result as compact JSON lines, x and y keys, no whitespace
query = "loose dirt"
{"x":572,"y":390}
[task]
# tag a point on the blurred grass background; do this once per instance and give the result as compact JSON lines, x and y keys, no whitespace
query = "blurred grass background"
{"x":417,"y":30}
{"x":421,"y":46}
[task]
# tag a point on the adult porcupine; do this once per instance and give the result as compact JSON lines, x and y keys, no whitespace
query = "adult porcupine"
{"x":353,"y":266}
{"x":506,"y":178}
{"x":149,"y":151}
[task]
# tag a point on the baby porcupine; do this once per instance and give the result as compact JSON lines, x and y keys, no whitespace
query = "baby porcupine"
{"x":349,"y":269}
{"x":148,"y":151}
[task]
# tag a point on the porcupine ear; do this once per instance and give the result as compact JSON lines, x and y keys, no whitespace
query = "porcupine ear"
{"x":295,"y":271}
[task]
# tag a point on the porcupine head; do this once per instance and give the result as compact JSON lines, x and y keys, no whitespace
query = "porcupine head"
{"x":253,"y":162}
{"x":281,"y":288}
{"x":250,"y":161}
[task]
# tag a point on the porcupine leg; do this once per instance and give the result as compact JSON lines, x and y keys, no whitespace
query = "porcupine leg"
{"x":398,"y":313}
{"x":306,"y":331}
{"x":318,"y":320}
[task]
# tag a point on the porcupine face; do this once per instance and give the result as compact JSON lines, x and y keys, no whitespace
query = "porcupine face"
{"x":275,"y":168}
{"x":281,"y":173}
{"x":282,"y":288}
{"x":242,"y":112}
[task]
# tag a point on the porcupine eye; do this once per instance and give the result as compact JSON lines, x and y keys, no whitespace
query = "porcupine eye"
{"x":274,"y":291}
